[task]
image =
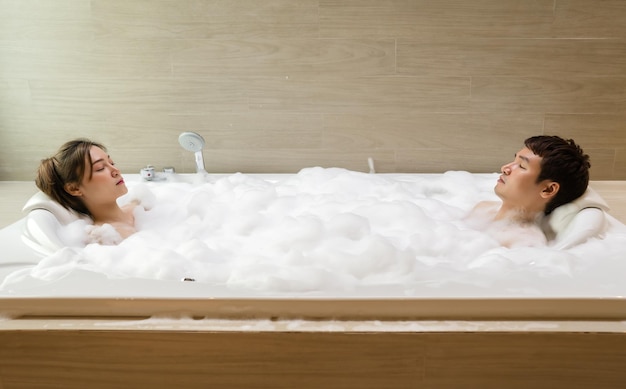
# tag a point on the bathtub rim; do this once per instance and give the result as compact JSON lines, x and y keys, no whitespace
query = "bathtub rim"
{"x":320,"y":308}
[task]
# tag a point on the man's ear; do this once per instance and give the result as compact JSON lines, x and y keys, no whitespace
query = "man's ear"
{"x":73,"y":189}
{"x":550,"y":190}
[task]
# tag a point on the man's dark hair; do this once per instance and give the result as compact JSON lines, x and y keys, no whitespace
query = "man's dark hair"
{"x":562,"y":161}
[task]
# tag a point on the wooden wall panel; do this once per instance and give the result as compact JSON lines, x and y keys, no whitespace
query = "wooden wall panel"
{"x":289,"y":161}
{"x":562,"y":58}
{"x":483,"y":18}
{"x":416,"y":130}
{"x":590,"y":19}
{"x":435,"y":160}
{"x":603,"y":163}
{"x":619,"y":172}
{"x":419,"y":85}
{"x":366,"y":94}
{"x":591,"y":130}
{"x":550,"y":95}
{"x":284,"y":57}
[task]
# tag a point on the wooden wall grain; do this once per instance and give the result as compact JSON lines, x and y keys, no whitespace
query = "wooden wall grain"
{"x":278,"y":85}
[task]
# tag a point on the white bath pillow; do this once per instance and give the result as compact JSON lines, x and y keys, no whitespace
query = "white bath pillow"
{"x":41,"y":232}
{"x":44,"y":221}
{"x":576,"y":222}
{"x":42,"y":201}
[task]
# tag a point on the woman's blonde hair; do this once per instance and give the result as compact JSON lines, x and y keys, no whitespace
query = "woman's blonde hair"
{"x":67,"y":166}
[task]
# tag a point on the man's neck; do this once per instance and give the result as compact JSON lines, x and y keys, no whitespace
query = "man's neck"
{"x":517,"y":214}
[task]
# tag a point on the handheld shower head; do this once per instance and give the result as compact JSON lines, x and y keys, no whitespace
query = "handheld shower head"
{"x":193,"y":142}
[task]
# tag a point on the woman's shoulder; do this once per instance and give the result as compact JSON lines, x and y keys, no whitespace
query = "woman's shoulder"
{"x":130,"y":206}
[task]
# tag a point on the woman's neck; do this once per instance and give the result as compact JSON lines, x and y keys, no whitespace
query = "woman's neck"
{"x":108,"y":214}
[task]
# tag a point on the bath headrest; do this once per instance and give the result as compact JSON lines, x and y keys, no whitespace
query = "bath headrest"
{"x":41,"y":201}
{"x":562,"y":216}
{"x":575,"y":222}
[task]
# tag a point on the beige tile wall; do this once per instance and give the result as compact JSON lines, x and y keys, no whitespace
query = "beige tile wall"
{"x":278,"y":85}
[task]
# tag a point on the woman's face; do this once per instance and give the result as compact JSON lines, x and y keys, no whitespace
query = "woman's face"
{"x":105,"y":184}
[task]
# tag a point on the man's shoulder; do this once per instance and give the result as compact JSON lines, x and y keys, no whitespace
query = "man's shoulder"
{"x":485,"y":206}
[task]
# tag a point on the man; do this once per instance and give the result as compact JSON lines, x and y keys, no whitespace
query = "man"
{"x":547,"y":172}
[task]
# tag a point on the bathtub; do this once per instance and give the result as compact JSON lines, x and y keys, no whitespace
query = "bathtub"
{"x":75,"y":331}
{"x":91,"y":294}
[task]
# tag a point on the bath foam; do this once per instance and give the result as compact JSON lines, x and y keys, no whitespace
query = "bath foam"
{"x":329,"y":230}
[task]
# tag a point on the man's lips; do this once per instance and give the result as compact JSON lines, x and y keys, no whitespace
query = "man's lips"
{"x":500,"y":179}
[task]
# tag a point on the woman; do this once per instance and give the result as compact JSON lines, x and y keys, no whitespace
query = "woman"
{"x":82,"y":177}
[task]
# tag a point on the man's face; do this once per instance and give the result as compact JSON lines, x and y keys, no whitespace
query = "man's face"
{"x":518,"y":186}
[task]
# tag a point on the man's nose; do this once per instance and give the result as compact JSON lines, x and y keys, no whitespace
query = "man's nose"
{"x":506,"y":169}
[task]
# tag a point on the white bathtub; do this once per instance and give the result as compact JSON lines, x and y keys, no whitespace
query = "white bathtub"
{"x":75,"y":331}
{"x":89,"y":294}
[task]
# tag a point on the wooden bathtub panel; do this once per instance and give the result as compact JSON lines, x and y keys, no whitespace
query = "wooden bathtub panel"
{"x":156,"y":359}
{"x":201,"y":360}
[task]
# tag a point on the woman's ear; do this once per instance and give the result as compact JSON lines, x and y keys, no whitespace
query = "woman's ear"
{"x":550,"y":190}
{"x":73,"y":189}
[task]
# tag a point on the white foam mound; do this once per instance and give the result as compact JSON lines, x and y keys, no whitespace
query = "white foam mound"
{"x":329,"y":229}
